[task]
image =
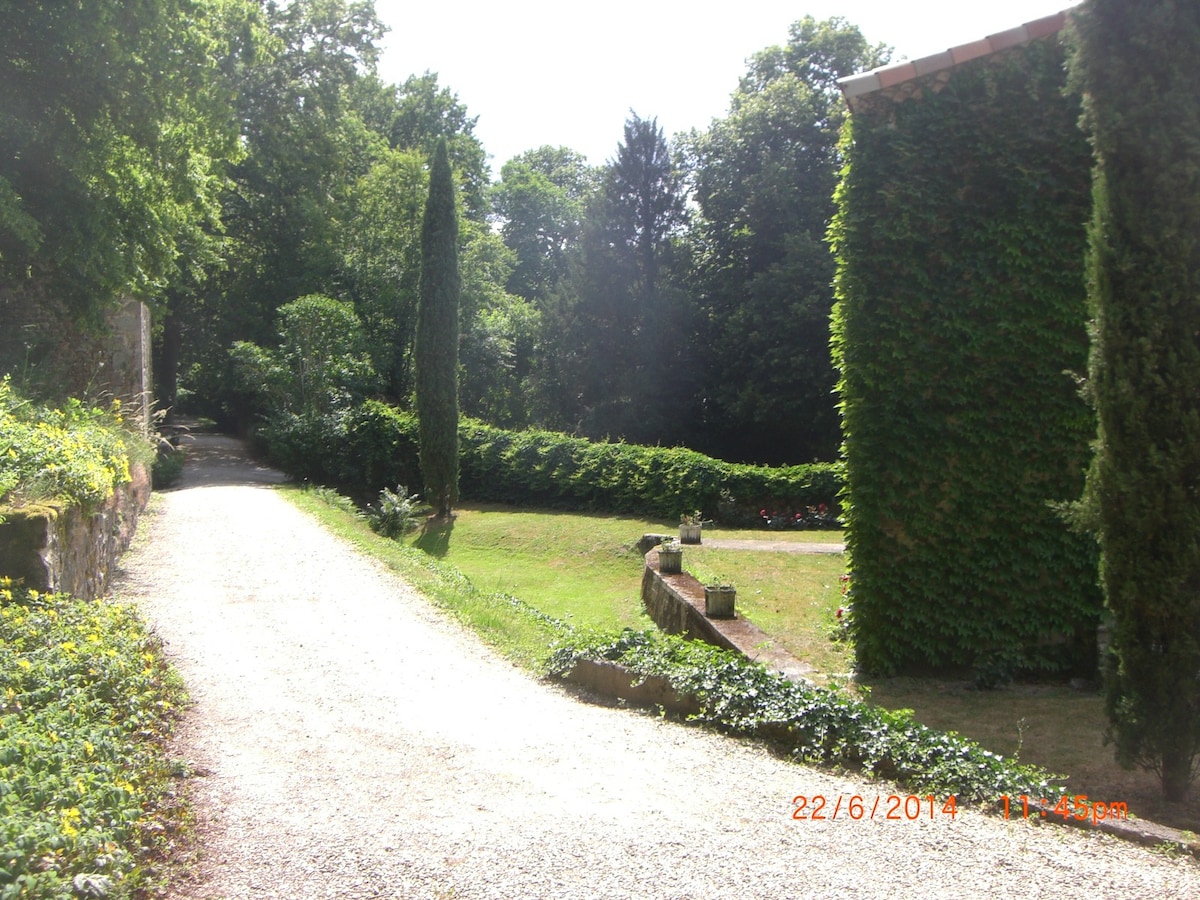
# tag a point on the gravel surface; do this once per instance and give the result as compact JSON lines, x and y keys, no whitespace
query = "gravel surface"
{"x":355,"y":743}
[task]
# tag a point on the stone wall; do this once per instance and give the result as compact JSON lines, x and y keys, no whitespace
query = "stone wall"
{"x":41,"y":343}
{"x":676,"y":604}
{"x":67,"y":549}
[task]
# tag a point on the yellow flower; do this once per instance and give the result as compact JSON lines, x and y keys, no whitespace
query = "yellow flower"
{"x":70,"y":821}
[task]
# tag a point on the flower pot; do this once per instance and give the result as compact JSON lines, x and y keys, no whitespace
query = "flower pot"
{"x":719,"y":601}
{"x":689,"y":534}
{"x":670,"y":562}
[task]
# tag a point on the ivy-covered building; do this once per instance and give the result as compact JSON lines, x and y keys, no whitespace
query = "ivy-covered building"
{"x":960,"y":332}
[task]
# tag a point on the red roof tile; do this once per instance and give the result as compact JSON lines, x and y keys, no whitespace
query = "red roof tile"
{"x":898,"y":73}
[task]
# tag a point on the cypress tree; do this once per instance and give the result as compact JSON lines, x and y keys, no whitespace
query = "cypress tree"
{"x":1136,"y":64}
{"x":436,"y":344}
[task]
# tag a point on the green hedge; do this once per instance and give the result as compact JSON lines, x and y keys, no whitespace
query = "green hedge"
{"x":1137,"y":65}
{"x":374,"y":446}
{"x":961,"y":305}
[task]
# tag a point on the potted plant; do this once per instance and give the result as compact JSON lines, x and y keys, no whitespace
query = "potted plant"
{"x":719,"y":600}
{"x":689,"y":527}
{"x":670,"y":557}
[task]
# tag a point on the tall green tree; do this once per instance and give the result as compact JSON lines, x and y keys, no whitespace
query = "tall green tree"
{"x":414,"y":115}
{"x":763,"y":178}
{"x":116,"y":119}
{"x":626,"y":319}
{"x":1136,"y":66}
{"x":436,"y":349}
{"x":304,"y":149}
{"x":541,"y":199}
{"x":381,"y":242}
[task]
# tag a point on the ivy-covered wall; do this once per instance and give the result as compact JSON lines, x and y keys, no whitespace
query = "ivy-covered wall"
{"x":961,"y":310}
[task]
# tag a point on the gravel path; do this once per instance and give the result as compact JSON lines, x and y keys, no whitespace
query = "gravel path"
{"x":777,"y":546}
{"x":355,"y":743}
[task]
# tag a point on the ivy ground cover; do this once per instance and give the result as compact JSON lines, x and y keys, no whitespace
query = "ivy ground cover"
{"x":86,"y":704}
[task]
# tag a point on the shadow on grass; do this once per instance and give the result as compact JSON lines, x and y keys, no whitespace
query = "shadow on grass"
{"x":1050,"y":725}
{"x":435,"y":537}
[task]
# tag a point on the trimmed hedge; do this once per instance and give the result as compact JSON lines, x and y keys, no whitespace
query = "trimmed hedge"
{"x":961,"y":305}
{"x":1137,"y":66}
{"x":374,"y":446}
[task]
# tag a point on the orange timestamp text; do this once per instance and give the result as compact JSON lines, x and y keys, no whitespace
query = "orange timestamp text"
{"x":894,"y":807}
{"x":1079,"y":808}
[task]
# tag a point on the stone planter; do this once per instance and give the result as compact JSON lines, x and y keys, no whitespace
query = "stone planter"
{"x":719,"y":601}
{"x":689,"y":534}
{"x":670,"y":560}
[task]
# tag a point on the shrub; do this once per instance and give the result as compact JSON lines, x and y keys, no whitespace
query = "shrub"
{"x":397,"y":512}
{"x":321,"y":363}
{"x":1144,"y":377}
{"x":76,"y":453}
{"x":374,"y":445}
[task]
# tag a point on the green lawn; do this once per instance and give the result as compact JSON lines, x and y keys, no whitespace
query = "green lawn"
{"x":583,"y":569}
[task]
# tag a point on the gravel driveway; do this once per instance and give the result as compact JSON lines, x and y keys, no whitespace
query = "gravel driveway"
{"x":356,"y":743}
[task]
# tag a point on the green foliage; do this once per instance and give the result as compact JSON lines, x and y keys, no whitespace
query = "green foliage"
{"x":321,"y":366}
{"x":167,"y":468}
{"x":960,"y":304}
{"x":814,"y":725}
{"x":397,"y":512}
{"x":541,"y":198}
{"x":764,"y":181}
{"x":382,"y":259}
{"x":375,"y":445}
{"x":1136,"y":65}
{"x":74,"y":454}
{"x":541,"y":468}
{"x":436,"y":347}
{"x":622,"y":351}
{"x":86,"y":704}
{"x":116,"y":120}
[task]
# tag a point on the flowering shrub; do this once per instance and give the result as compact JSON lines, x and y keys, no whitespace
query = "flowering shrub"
{"x":811,"y":517}
{"x":86,"y":703}
{"x":75,"y":453}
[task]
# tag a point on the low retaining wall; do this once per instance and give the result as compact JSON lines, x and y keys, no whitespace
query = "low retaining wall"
{"x":613,"y":680}
{"x":52,"y":548}
{"x":676,"y":604}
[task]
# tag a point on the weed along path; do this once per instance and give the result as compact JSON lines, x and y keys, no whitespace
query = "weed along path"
{"x":352,"y":743}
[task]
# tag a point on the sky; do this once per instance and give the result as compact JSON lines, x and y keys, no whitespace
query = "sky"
{"x":568,"y":73}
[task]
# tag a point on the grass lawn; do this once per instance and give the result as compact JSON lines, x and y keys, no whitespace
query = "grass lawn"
{"x":579,"y":568}
{"x":792,"y":596}
{"x":583,"y":569}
